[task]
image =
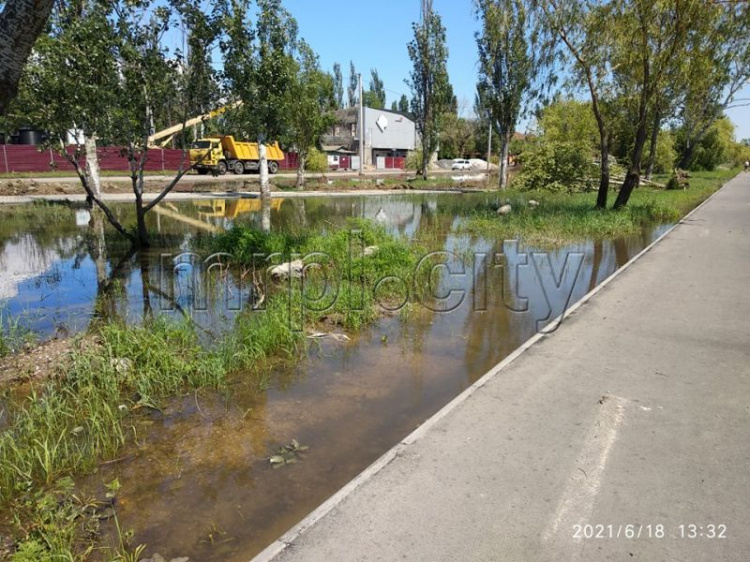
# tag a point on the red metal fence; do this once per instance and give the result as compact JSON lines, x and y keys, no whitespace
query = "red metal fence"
{"x":393,"y":163}
{"x":27,"y":158}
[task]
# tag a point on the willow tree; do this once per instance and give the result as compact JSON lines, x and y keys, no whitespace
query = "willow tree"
{"x":718,"y":68}
{"x":587,"y":34}
{"x":511,"y":58}
{"x":431,"y":89}
{"x":651,"y":45}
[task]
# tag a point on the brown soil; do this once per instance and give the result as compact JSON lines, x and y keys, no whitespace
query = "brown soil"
{"x":35,"y":363}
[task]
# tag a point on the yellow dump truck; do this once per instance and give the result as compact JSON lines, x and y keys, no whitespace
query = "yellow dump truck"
{"x":222,"y":153}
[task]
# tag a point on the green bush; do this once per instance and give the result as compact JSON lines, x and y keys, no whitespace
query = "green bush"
{"x":414,"y":160}
{"x":666,"y":155}
{"x":556,"y":166}
{"x":317,"y":161}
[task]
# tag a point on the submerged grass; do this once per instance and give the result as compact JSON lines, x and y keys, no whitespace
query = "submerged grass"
{"x":91,"y":409}
{"x":562,"y":218}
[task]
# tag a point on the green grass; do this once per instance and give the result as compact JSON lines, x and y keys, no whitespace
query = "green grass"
{"x":13,"y":334}
{"x":66,"y":425}
{"x":563,"y":218}
{"x":339,"y":289}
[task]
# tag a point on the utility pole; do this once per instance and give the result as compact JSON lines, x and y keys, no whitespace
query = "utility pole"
{"x":361,"y":127}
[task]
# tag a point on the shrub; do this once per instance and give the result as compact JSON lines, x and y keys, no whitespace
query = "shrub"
{"x":317,"y":161}
{"x":555,"y":166}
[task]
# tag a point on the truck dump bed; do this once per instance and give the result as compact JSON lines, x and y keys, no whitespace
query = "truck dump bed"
{"x":249,"y":150}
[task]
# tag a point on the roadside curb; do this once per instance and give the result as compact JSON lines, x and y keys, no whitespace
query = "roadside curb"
{"x":287,"y":539}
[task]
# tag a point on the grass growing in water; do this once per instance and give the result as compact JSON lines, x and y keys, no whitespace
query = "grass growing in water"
{"x":563,"y":218}
{"x":342,"y":286}
{"x":66,"y":425}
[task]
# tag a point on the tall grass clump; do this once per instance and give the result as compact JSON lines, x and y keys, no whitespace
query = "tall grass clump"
{"x":343,"y":284}
{"x":67,"y":424}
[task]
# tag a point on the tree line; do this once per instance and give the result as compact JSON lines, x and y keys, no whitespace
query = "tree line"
{"x":653,"y":70}
{"x":658,"y":76}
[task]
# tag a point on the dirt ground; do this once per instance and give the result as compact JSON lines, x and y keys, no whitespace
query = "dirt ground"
{"x":36,"y":363}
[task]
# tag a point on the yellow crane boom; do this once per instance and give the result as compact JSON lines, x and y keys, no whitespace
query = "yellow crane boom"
{"x":169,"y":132}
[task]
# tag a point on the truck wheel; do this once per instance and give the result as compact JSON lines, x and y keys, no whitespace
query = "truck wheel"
{"x":273,"y":167}
{"x":221,"y":169}
{"x":238,"y":168}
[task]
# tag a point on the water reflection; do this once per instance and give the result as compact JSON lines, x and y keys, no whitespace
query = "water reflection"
{"x":197,"y":483}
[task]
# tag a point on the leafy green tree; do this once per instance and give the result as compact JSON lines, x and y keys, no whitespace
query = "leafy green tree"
{"x":586,"y":33}
{"x":510,"y":60}
{"x":403,"y":104}
{"x":653,"y":35}
{"x":100,"y":72}
{"x":338,"y":86}
{"x":717,"y":146}
{"x":718,"y":67}
{"x":312,"y":111}
{"x":377,"y":91}
{"x":429,"y":83}
{"x":458,"y":136}
{"x":555,"y":166}
{"x":569,"y":120}
{"x":260,"y":72}
{"x":353,"y":88}
{"x":202,"y":79}
{"x":21,"y":22}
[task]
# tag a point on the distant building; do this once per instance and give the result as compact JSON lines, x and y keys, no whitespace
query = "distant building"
{"x":388,"y":134}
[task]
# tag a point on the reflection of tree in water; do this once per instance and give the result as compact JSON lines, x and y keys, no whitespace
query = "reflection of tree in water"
{"x":495,"y":332}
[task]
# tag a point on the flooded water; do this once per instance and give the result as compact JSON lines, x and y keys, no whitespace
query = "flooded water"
{"x":197,"y":483}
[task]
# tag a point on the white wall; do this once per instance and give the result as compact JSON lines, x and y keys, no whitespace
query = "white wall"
{"x":398,"y":133}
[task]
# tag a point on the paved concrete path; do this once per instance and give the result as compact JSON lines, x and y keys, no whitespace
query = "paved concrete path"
{"x":636,"y":412}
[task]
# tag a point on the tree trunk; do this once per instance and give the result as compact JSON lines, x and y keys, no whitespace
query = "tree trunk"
{"x":21,"y":22}
{"x":687,"y":156}
{"x":99,"y":249}
{"x":263,"y":162}
{"x":92,"y":165}
{"x":603,"y":193}
{"x":504,"y":148}
{"x":652,"y":150}
{"x":301,"y":171}
{"x":265,"y":212}
{"x":633,"y":177}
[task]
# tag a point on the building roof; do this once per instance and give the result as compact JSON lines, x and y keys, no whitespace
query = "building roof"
{"x":339,"y":149}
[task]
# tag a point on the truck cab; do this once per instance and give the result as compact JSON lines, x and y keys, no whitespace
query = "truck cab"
{"x":207,"y":155}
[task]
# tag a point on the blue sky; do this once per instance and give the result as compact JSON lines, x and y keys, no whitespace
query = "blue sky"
{"x":375,"y":34}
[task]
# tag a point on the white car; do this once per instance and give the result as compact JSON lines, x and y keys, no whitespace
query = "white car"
{"x":459,"y":164}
